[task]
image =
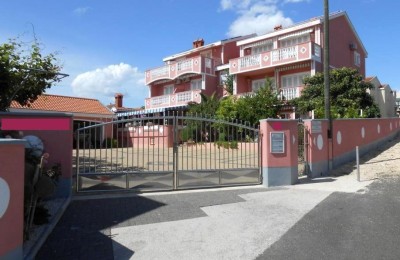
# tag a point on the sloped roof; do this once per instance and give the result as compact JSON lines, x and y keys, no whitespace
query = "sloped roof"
{"x":66,"y":104}
{"x":302,"y":25}
{"x":370,"y":78}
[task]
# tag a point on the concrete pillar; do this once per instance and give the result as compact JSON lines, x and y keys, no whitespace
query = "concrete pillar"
{"x":279,"y":152}
{"x":12,"y":161}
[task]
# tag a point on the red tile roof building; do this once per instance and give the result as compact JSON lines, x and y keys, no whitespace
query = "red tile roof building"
{"x":57,"y":103}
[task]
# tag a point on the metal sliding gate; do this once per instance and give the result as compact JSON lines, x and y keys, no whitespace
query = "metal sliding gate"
{"x":168,"y":152}
{"x":302,"y":136}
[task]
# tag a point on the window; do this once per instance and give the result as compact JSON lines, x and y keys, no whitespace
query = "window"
{"x":294,"y":80}
{"x":223,"y":76}
{"x":294,"y":41}
{"x":357,"y":59}
{"x":168,"y":90}
{"x":260,"y":49}
{"x":257,"y":84}
{"x":195,"y":84}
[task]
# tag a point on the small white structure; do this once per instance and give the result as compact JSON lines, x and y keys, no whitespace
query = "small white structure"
{"x":384,"y":97}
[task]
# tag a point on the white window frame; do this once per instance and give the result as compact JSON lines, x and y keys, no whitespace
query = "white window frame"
{"x":357,"y":59}
{"x":258,"y":83}
{"x":262,"y":48}
{"x":223,"y":75}
{"x":196,"y":84}
{"x":168,"y":89}
{"x":294,"y":41}
{"x":295,"y":80}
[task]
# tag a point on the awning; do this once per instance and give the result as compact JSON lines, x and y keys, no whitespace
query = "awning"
{"x":150,"y":111}
{"x":260,"y":43}
{"x":141,"y":112}
{"x":295,"y":34}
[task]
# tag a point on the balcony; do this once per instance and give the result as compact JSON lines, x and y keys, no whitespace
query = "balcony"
{"x":285,"y":93}
{"x":290,"y":93}
{"x":196,"y":65}
{"x":300,"y":52}
{"x":173,"y":100}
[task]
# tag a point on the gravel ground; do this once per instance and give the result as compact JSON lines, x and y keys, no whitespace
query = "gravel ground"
{"x":382,"y":162}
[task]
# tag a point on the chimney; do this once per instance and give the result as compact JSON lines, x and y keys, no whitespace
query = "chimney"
{"x":278,"y":27}
{"x":198,"y":43}
{"x":118,"y":100}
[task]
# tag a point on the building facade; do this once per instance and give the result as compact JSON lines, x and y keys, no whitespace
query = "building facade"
{"x":285,"y":55}
{"x":384,"y":97}
{"x":288,"y":55}
{"x":185,"y":75}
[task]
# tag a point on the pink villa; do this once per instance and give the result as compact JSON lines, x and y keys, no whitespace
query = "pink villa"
{"x":287,"y":55}
{"x":187,"y":74}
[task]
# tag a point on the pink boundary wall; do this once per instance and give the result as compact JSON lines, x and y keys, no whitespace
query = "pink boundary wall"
{"x":55,"y":130}
{"x":148,"y":136}
{"x":322,"y":154}
{"x":12,"y":157}
{"x":367,"y":134}
{"x":279,"y":168}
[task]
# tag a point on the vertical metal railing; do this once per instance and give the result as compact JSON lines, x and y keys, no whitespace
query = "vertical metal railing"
{"x":138,"y":153}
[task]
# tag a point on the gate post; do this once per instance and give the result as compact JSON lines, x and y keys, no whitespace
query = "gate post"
{"x":175,"y":152}
{"x":279,"y":151}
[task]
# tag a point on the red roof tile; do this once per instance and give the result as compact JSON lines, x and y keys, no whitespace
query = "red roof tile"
{"x":65,"y":104}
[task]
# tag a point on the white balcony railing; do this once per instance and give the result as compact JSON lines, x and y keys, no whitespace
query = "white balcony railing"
{"x":277,"y":57}
{"x":172,"y":100}
{"x":285,"y":54}
{"x":160,"y":101}
{"x":184,"y":65}
{"x":290,"y":93}
{"x":173,"y":70}
{"x":159,"y":72}
{"x":250,"y":61}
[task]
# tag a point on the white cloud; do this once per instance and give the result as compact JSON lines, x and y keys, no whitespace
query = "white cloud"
{"x":256,"y":16}
{"x":296,"y":1}
{"x":81,"y":11}
{"x":103,"y":83}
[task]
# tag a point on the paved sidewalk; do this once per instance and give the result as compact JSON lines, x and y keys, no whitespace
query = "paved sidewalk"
{"x":329,"y":218}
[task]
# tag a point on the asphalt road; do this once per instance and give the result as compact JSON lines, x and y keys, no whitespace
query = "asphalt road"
{"x":280,"y":223}
{"x":346,"y":226}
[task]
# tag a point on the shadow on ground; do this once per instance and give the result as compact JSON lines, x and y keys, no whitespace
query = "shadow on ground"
{"x":84,"y":230}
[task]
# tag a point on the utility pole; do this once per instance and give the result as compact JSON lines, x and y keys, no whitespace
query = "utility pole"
{"x":326,"y":69}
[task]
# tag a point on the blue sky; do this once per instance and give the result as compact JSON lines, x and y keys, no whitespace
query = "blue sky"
{"x":105,"y":46}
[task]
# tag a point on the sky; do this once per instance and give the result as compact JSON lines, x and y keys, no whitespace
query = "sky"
{"x":106,"y":46}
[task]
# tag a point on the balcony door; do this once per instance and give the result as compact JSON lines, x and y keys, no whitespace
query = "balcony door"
{"x":195,"y":84}
{"x":291,"y":83}
{"x":168,"y":90}
{"x":257,"y":84}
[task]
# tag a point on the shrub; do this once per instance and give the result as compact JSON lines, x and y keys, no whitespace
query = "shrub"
{"x":233,"y":145}
{"x":186,"y":134}
{"x":110,"y":143}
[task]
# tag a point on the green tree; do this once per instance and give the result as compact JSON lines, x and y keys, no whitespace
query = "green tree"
{"x":228,"y":83}
{"x":263,"y":104}
{"x":25,"y":72}
{"x":207,"y":107}
{"x":227,"y":108}
{"x":348,"y":94}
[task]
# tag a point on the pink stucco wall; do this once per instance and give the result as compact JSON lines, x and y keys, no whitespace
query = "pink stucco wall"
{"x":289,"y":157}
{"x":340,"y":53}
{"x":347,"y":134}
{"x":322,"y":154}
{"x":231,"y":51}
{"x":58,"y":143}
{"x":12,"y":161}
{"x":151,"y":136}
